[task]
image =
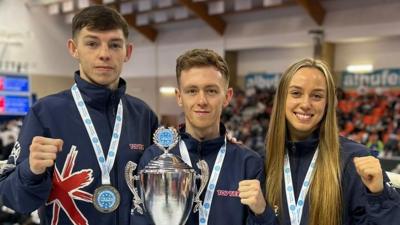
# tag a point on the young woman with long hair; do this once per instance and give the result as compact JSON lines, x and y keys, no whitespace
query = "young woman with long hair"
{"x":315,"y":177}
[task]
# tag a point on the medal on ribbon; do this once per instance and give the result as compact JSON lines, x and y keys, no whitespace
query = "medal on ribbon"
{"x":106,"y":198}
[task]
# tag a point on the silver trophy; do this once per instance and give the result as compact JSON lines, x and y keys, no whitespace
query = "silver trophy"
{"x":167,"y":184}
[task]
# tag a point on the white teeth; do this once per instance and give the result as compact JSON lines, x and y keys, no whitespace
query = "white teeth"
{"x":303,"y":116}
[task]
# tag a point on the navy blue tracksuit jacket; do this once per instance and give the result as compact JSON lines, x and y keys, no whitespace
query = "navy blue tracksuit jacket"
{"x":64,"y":192}
{"x":359,"y":206}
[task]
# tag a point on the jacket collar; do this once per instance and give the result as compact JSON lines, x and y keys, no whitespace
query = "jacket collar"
{"x":202,"y":147}
{"x":304,"y":146}
{"x":98,"y":96}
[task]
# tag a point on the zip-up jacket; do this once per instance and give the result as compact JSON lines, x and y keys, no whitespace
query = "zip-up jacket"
{"x":240,"y":163}
{"x":64,"y":192}
{"x":360,"y":207}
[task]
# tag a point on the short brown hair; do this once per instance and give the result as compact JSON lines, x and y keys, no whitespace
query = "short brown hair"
{"x":201,"y":58}
{"x":101,"y":18}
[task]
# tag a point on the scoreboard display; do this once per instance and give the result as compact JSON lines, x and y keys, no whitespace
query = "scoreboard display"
{"x":14,"y":105}
{"x":15,"y":96}
{"x":14,"y":83}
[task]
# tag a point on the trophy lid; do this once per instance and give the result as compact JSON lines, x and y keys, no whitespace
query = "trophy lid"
{"x":167,"y":161}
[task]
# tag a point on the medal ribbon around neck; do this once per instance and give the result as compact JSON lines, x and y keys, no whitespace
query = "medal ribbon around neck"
{"x":296,"y":209}
{"x":105,"y":164}
{"x":204,"y":211}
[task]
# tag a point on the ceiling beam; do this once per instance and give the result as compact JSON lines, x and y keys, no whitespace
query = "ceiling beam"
{"x":200,"y":9}
{"x":314,"y":9}
{"x":148,"y":31}
{"x":98,"y":2}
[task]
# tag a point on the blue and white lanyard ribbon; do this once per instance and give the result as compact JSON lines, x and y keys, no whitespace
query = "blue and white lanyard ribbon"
{"x":204,"y":211}
{"x":105,"y":164}
{"x":296,"y":210}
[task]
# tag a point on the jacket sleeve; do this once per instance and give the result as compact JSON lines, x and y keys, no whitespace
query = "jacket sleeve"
{"x":366,"y":208}
{"x":20,"y":189}
{"x":256,"y":171}
{"x":266,"y":218}
{"x":154,"y":125}
{"x":384,"y":208}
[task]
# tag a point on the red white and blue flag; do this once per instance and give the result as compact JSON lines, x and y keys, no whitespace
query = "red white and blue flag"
{"x":66,"y":190}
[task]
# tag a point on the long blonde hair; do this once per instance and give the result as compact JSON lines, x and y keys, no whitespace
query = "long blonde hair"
{"x":325,"y":190}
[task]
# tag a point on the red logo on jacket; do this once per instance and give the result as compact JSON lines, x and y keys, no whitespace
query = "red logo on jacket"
{"x":226,"y":193}
{"x":136,"y":147}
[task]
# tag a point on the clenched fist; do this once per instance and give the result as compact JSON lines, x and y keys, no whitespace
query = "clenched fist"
{"x":370,"y":171}
{"x":250,"y":194}
{"x":43,"y":152}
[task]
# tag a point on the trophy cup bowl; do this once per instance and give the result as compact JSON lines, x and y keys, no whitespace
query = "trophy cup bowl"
{"x":167,"y":184}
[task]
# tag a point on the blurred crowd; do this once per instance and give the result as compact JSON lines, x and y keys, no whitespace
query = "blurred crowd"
{"x":366,"y":117}
{"x":248,"y":115}
{"x":372,"y":119}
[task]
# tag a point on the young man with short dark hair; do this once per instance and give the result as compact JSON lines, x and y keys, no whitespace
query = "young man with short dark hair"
{"x":71,"y":153}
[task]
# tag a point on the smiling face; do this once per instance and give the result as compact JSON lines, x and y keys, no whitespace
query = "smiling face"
{"x":202,"y":94}
{"x":101,"y":55}
{"x":305,"y":102}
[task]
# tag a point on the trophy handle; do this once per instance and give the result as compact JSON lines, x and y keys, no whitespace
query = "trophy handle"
{"x":130,"y":180}
{"x":203,"y":166}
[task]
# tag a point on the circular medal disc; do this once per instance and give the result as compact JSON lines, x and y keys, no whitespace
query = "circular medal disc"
{"x":106,"y":198}
{"x":165,"y":138}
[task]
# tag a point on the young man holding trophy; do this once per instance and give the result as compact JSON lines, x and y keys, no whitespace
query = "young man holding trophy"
{"x":235,"y":172}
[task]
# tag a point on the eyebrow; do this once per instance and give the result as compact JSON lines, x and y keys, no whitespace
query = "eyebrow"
{"x":298,"y":87}
{"x":95,"y":37}
{"x":211,"y":86}
{"x":207,"y":86}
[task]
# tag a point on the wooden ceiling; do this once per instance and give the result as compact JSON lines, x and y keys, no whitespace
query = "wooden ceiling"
{"x":145,"y":15}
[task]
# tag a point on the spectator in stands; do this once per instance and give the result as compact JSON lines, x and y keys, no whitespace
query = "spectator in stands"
{"x":6,"y":149}
{"x":374,"y":143}
{"x":313,"y":176}
{"x":392,"y":145}
{"x":8,"y":136}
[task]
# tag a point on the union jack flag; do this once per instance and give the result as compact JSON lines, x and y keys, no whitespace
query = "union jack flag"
{"x":66,"y":190}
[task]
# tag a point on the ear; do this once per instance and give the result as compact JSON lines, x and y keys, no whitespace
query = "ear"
{"x":73,"y":50}
{"x":129,"y":50}
{"x":178,"y":97}
{"x":228,"y":97}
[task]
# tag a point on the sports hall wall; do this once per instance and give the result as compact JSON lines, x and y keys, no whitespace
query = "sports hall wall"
{"x":364,"y":34}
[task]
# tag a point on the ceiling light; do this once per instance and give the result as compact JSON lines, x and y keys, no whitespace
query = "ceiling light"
{"x":362,"y":68}
{"x":167,"y":90}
